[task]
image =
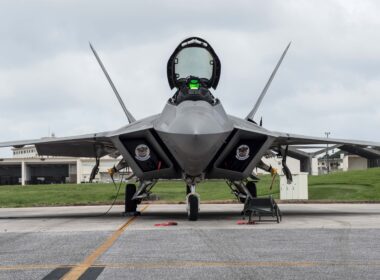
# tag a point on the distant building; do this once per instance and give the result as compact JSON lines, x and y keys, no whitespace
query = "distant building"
{"x":342,"y":161}
{"x":25,"y":152}
{"x":300,"y":161}
{"x":27,"y":167}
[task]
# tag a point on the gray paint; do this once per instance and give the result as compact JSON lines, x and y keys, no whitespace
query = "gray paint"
{"x":193,"y":131}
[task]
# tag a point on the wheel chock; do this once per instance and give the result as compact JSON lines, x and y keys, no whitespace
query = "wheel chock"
{"x":166,"y":224}
{"x":242,"y":222}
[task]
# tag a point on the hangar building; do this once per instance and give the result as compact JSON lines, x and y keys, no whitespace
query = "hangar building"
{"x":27,"y":167}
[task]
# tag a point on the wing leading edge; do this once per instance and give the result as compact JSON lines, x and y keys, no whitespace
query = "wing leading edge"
{"x":282,"y":138}
{"x":93,"y":145}
{"x":90,"y":145}
{"x":295,"y":139}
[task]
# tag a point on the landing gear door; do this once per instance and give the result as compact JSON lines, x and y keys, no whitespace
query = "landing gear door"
{"x":194,"y":57}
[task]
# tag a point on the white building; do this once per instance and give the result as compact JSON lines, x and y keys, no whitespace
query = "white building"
{"x":343,"y":162}
{"x":27,"y":167}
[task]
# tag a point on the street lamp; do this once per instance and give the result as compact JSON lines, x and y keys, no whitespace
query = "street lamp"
{"x":327,"y":154}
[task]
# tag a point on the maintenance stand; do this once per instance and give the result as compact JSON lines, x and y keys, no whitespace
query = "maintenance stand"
{"x":261,"y":207}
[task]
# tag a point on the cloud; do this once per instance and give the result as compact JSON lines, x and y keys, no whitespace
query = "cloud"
{"x":49,"y":79}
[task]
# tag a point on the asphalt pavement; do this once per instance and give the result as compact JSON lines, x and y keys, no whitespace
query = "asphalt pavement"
{"x":314,"y":241}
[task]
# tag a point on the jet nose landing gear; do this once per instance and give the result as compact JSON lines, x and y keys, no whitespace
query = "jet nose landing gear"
{"x":192,"y":200}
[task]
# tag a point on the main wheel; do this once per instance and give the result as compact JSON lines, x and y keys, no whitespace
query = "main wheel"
{"x":130,"y":205}
{"x":251,"y":187}
{"x":278,"y":217}
{"x":193,"y":207}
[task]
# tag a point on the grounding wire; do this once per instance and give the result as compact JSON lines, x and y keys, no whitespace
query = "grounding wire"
{"x":117,"y":194}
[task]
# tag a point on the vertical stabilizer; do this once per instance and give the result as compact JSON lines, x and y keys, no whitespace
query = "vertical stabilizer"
{"x":130,"y":118}
{"x":261,"y":97}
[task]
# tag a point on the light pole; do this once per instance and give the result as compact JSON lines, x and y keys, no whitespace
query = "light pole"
{"x":327,"y":154}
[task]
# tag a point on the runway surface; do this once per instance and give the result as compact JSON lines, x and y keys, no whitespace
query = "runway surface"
{"x":314,"y":241}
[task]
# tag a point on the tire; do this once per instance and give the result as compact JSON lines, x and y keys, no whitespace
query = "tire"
{"x":278,"y":218}
{"x":130,"y":205}
{"x":193,"y":207}
{"x":251,"y":186}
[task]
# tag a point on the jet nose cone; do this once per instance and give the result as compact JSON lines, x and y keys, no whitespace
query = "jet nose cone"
{"x":195,"y":124}
{"x":193,"y":152}
{"x":193,"y":134}
{"x":194,"y":118}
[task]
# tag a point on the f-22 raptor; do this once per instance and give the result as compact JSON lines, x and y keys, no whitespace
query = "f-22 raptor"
{"x":192,"y":139}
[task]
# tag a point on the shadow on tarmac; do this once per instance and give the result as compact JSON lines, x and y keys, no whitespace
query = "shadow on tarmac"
{"x":212,"y":215}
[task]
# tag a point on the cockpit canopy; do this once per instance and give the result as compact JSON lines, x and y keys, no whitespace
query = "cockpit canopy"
{"x":193,"y":57}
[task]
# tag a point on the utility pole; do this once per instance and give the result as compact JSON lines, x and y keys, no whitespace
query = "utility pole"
{"x":327,"y":153}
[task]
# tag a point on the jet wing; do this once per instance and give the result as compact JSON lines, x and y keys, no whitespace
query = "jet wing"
{"x":89,"y":145}
{"x":295,"y":139}
{"x":282,"y":138}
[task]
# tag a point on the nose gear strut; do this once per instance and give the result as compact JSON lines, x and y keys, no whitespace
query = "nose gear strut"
{"x":192,"y":198}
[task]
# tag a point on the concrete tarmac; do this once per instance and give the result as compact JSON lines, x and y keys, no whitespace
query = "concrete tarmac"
{"x":314,"y":241}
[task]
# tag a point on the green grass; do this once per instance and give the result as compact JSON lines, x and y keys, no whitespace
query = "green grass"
{"x":347,"y":186}
{"x":209,"y":190}
{"x":361,"y":185}
{"x":52,"y":195}
{"x":86,"y":194}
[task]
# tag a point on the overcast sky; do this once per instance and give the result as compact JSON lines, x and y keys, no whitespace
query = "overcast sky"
{"x":50,"y":81}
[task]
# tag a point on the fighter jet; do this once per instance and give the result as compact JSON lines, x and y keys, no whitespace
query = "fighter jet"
{"x":193,"y":139}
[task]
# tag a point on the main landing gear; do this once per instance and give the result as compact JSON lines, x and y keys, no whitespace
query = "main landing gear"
{"x":130,"y":205}
{"x":243,"y":189}
{"x":134,"y":196}
{"x":251,"y":188}
{"x":192,"y":200}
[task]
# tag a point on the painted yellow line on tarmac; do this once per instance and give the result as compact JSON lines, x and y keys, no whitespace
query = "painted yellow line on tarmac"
{"x":79,"y":269}
{"x":32,"y":266}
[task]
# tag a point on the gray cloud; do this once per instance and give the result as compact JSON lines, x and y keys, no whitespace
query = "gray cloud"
{"x":49,"y":80}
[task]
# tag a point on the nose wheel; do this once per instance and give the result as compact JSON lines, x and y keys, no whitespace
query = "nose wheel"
{"x":192,"y":199}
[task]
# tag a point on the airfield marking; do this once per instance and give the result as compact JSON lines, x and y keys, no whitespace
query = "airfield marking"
{"x":57,"y":273}
{"x":191,"y":264}
{"x":79,"y":269}
{"x":32,"y":266}
{"x":92,"y":273}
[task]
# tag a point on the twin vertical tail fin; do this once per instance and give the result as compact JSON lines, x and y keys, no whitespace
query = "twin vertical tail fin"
{"x":130,"y":118}
{"x":249,"y":116}
{"x":264,"y":91}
